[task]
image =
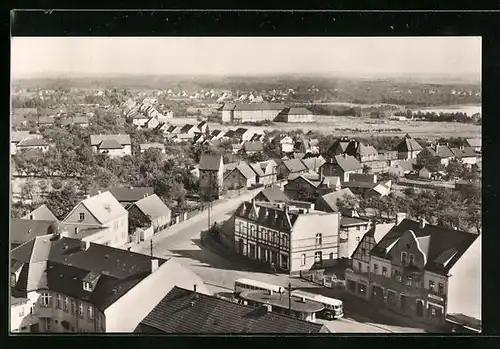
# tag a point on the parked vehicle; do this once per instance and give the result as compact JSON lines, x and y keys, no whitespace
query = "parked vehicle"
{"x":334,"y":308}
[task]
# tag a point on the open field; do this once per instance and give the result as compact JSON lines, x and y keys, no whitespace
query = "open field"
{"x":347,"y":125}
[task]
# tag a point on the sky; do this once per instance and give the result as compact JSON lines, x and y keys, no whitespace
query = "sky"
{"x":352,"y":56}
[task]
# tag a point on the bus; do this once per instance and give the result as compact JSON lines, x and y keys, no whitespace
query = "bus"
{"x":241,"y":285}
{"x":333,"y":307}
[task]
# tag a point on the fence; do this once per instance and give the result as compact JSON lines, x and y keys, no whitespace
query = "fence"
{"x":318,"y":277}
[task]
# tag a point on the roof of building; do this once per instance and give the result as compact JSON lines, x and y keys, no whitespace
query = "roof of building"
{"x":294,"y":165}
{"x":269,"y":216}
{"x":259,"y":106}
{"x":314,"y":162}
{"x":104,"y":207}
{"x":274,"y":194}
{"x":363,"y":177}
{"x":22,"y":230}
{"x":147,"y":146}
{"x":257,"y":169}
{"x":352,"y":221}
{"x":120,"y":138}
{"x":126,"y":194}
{"x":110,"y":144}
{"x":465,"y":152}
{"x":474,"y":142}
{"x":186,"y":128}
{"x":245,"y":170}
{"x":405,"y":165}
{"x":153,"y":207}
{"x":408,"y":144}
{"x":18,"y":136}
{"x":440,"y":244}
{"x":209,"y":162}
{"x":45,"y":120}
{"x":32,"y":142}
{"x":61,"y":265}
{"x":330,"y":199}
{"x":361,"y":149}
{"x":41,"y":213}
{"x":442,"y":151}
{"x":299,"y":111}
{"x":228,"y":106}
{"x":347,"y":162}
{"x":266,"y":163}
{"x":360,"y":185}
{"x":253,"y":146}
{"x":465,"y":320}
{"x":240,"y":131}
{"x":183,"y":312}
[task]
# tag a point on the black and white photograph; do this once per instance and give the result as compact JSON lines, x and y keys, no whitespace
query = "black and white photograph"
{"x":245,"y":185}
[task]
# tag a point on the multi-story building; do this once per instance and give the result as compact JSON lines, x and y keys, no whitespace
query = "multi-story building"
{"x":60,"y":284}
{"x":419,"y":270}
{"x":352,"y":230}
{"x":99,"y":219}
{"x":211,"y":176}
{"x":293,"y":239}
{"x":115,"y":145}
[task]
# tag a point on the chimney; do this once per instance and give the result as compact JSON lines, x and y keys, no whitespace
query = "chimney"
{"x":421,"y":223}
{"x":154,"y":265}
{"x":194,"y":288}
{"x":374,"y":178}
{"x":86,"y":245}
{"x":268,"y":307}
{"x":400,"y":216}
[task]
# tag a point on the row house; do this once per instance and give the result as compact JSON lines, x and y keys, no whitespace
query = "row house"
{"x":292,"y":239}
{"x":116,"y":145}
{"x":420,"y":270}
{"x":64,"y":285}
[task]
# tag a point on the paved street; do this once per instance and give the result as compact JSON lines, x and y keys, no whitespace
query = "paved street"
{"x":183,"y":243}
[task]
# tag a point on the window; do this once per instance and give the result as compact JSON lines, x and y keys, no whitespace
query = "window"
{"x":432,"y":285}
{"x":318,"y":257}
{"x":440,"y":288}
{"x":65,"y":305}
{"x":408,"y":281}
{"x":358,"y":228}
{"x":403,"y":257}
{"x":284,"y":240}
{"x":397,"y":275}
{"x":303,"y":259}
{"x":46,"y":299}
{"x":276,"y":238}
{"x":358,"y":238}
{"x":417,"y":284}
{"x":384,"y":271}
{"x":48,"y":324}
{"x":81,"y":310}
{"x":98,"y":321}
{"x":412,"y":258}
{"x":76,"y":230}
{"x":375,"y":268}
{"x":331,"y":255}
{"x":267,"y":236}
{"x":82,"y":216}
{"x":73,"y":306}
{"x":360,"y":266}
{"x":319,"y":239}
{"x":90,"y":314}
{"x":13,"y":280}
{"x":58,"y":301}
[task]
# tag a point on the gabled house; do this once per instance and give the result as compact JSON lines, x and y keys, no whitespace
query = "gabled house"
{"x":341,"y":166}
{"x":82,"y":121}
{"x":475,"y":143}
{"x":243,"y":134}
{"x":228,"y":112}
{"x":146,"y":146}
{"x":149,"y":212}
{"x":217,"y":134}
{"x":329,"y":202}
{"x":423,"y":271}
{"x":440,"y":153}
{"x":287,"y":144}
{"x":467,"y":155}
{"x":249,"y":148}
{"x":272,"y":194}
{"x":295,"y":115}
{"x":338,"y":147}
{"x":270,"y":175}
{"x":313,"y":163}
{"x":257,"y":137}
{"x":242,"y":176}
{"x":17,"y":136}
{"x":202,"y":127}
{"x":116,"y":145}
{"x":190,"y":130}
{"x":126,"y":196}
{"x":401,"y":167}
{"x":362,"y":152}
{"x":303,"y":188}
{"x":408,"y":148}
{"x":24,"y":230}
{"x":41,"y":213}
{"x":291,"y":167}
{"x":100,"y":219}
{"x":259,"y":173}
{"x":33,"y":144}
{"x":140,"y":119}
{"x":211,"y":176}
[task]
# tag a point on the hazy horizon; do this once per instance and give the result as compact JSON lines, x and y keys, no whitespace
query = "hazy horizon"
{"x":362,"y":57}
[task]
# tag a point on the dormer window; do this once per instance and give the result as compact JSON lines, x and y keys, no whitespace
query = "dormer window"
{"x":87,"y":286}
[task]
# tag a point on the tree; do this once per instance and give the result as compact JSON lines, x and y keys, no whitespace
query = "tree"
{"x":431,"y":162}
{"x":62,"y":201}
{"x":27,"y":192}
{"x":366,"y":169}
{"x":454,"y":169}
{"x":349,"y":202}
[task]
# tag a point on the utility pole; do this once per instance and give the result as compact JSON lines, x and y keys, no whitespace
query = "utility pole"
{"x":151,"y":247}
